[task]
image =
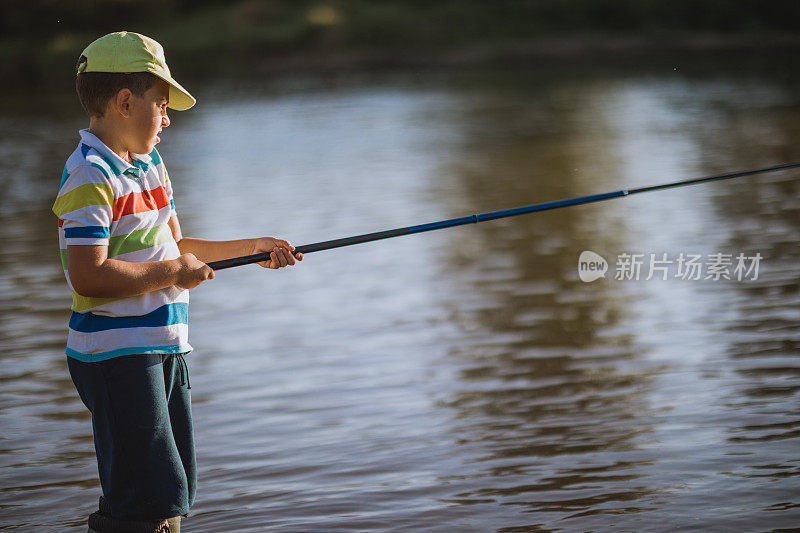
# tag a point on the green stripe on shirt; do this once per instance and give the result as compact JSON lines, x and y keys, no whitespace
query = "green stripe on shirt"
{"x":139,"y":240}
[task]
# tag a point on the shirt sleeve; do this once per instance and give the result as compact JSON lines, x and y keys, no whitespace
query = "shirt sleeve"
{"x":85,"y":207}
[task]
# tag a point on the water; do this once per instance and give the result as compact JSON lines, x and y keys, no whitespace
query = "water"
{"x":462,"y":380}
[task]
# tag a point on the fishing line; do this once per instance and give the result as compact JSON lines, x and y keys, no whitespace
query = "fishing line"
{"x":492,"y":215}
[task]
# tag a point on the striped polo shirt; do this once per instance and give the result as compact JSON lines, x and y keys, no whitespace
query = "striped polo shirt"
{"x":104,"y":200}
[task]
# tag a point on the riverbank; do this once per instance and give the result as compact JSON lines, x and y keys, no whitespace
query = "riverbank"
{"x":26,"y":67}
{"x":41,"y":42}
{"x":596,"y":50}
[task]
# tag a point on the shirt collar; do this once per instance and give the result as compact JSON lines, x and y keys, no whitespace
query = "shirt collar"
{"x":141,"y":162}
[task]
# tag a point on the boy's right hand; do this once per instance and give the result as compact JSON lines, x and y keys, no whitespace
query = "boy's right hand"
{"x":192,"y":272}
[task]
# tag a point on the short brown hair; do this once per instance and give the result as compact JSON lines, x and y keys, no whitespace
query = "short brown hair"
{"x":95,"y":89}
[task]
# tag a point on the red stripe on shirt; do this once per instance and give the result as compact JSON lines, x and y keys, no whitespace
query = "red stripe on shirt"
{"x":138,"y":202}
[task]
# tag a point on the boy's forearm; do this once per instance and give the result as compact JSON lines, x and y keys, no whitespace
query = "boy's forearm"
{"x":120,"y":279}
{"x":207,"y":251}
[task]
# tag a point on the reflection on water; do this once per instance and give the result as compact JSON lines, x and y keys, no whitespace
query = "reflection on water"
{"x":463,"y":380}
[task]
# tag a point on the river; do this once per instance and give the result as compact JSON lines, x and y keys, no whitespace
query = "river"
{"x":464,"y":380}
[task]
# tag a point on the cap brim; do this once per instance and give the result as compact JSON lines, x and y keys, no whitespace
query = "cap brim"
{"x":179,"y":98}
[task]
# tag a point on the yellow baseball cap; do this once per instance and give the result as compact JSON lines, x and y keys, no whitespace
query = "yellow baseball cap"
{"x":126,"y":51}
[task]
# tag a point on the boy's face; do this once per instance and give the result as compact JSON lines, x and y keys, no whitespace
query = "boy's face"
{"x":148,"y":116}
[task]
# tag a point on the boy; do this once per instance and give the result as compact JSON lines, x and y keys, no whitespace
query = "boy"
{"x":130,"y":269}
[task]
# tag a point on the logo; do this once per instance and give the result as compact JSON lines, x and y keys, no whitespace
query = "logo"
{"x":591,"y":266}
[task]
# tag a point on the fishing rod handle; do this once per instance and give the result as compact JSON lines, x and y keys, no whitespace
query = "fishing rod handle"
{"x":244,"y":260}
{"x":313,"y":247}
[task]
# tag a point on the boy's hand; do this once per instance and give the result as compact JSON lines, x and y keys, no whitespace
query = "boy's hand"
{"x":192,"y":272}
{"x":281,"y":255}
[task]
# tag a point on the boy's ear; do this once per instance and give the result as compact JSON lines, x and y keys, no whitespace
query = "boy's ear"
{"x":121,"y":103}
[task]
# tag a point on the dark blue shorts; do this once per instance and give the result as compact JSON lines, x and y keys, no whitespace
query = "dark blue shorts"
{"x":142,"y":422}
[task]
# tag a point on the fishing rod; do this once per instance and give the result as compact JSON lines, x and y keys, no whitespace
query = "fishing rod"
{"x":492,"y":215}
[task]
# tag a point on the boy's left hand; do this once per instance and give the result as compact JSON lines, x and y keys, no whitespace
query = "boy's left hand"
{"x":280,"y":255}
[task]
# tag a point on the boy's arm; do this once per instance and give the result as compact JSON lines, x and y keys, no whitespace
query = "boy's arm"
{"x":94,"y":275}
{"x":208,"y":251}
{"x":84,"y":207}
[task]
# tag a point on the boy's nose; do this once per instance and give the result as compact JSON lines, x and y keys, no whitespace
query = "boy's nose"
{"x":164,"y":121}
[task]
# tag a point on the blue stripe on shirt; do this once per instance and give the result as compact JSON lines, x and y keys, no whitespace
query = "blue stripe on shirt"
{"x":133,"y":350}
{"x":166,"y":315}
{"x":64,"y":176}
{"x":102,"y":232}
